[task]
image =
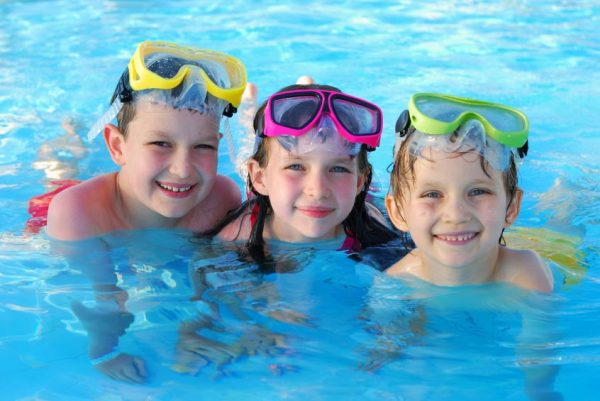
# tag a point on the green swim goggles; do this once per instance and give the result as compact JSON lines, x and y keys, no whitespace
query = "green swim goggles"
{"x":436,"y":114}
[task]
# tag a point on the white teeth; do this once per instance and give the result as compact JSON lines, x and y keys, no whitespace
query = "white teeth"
{"x":457,"y":238}
{"x":173,"y":189}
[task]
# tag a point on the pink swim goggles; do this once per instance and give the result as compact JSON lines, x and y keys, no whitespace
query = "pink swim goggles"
{"x":295,"y":112}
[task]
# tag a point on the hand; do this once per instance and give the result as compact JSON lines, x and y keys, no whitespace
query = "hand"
{"x":291,"y":316}
{"x":378,"y":358}
{"x":260,"y":341}
{"x":124,"y":367}
{"x":195,"y":352}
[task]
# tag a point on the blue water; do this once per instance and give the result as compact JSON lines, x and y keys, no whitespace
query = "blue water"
{"x":330,"y":328}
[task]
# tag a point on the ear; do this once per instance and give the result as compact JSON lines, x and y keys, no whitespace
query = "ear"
{"x":115,"y":142}
{"x":257,"y":177}
{"x":395,"y":214}
{"x":513,"y":208}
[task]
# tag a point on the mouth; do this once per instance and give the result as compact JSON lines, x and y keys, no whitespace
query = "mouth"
{"x":315,"y":212}
{"x":175,"y":189}
{"x":457,"y":238}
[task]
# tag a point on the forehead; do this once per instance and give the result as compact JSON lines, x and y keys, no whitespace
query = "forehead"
{"x":166,"y":119}
{"x":309,"y":152}
{"x":453,"y":167}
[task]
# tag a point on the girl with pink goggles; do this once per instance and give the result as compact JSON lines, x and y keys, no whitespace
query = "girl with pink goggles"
{"x":295,"y":112}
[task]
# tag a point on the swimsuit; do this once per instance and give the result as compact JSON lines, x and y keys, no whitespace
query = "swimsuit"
{"x":38,"y":206}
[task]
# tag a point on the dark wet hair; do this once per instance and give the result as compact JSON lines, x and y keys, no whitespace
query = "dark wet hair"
{"x":359,"y":224}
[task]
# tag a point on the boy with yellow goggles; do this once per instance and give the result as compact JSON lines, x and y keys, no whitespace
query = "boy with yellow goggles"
{"x":169,"y":103}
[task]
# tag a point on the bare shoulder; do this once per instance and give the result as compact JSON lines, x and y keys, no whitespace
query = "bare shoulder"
{"x":228,"y":191}
{"x":526,"y":269}
{"x":408,"y":265}
{"x":224,"y":196}
{"x":74,"y":213}
{"x":237,"y":230}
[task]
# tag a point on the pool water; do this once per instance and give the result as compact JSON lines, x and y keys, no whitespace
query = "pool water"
{"x":325,"y":326}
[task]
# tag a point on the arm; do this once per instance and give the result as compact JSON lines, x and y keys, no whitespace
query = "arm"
{"x":108,"y":319}
{"x":533,"y":354}
{"x":84,"y":210}
{"x":525,"y":269}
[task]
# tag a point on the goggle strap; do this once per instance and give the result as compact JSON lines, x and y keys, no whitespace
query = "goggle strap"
{"x":260,"y":130}
{"x":229,"y":110}
{"x":124,"y":88}
{"x":402,"y":123}
{"x":522,"y":151}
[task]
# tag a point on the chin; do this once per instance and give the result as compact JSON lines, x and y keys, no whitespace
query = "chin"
{"x":175,"y":214}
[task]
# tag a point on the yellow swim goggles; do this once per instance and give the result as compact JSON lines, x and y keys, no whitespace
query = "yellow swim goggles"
{"x":436,"y":114}
{"x":164,"y":65}
{"x":179,"y":76}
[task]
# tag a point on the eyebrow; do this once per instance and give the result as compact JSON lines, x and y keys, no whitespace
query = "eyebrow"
{"x":345,"y":159}
{"x":166,"y":134}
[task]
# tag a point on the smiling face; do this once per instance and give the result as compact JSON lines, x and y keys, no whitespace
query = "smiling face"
{"x":454,"y":211}
{"x":168,"y":162}
{"x":311,"y":193}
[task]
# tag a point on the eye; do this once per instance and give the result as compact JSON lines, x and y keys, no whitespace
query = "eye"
{"x":161,"y":144}
{"x":340,"y":169}
{"x":294,"y":167}
{"x":206,"y":146}
{"x":432,"y":195}
{"x":479,"y":192}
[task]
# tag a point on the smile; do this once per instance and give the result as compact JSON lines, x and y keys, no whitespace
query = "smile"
{"x":316,"y":212}
{"x":175,"y":189}
{"x":459,"y":238}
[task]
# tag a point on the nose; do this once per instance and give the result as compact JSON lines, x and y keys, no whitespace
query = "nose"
{"x":456,"y":210}
{"x":181,"y":165}
{"x":316,"y":185}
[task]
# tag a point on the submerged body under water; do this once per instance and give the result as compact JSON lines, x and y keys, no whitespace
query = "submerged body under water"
{"x":315,"y":324}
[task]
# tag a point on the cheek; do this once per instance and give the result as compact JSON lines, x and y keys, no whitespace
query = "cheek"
{"x":345,"y":185}
{"x":493,"y":212}
{"x":206,"y":163}
{"x":420,"y":209}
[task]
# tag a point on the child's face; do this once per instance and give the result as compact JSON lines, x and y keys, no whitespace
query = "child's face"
{"x":454,"y":212}
{"x":311,"y":193}
{"x":169,"y":159}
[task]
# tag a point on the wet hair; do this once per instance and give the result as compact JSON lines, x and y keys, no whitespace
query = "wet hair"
{"x":359,"y":224}
{"x":403,"y":175}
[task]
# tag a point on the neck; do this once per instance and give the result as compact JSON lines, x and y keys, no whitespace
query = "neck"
{"x":274,"y":231}
{"x":478,"y":272}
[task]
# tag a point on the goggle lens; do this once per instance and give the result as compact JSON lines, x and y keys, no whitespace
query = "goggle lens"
{"x":295,"y":112}
{"x":440,"y":114}
{"x":359,"y":119}
{"x":448,"y":110}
